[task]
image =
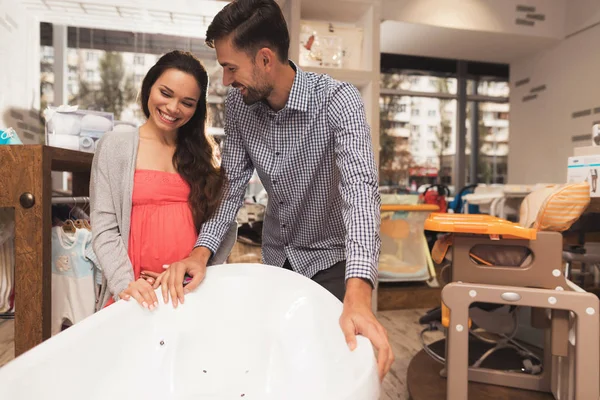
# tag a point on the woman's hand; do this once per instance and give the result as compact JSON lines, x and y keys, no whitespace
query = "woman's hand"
{"x":171,"y":281}
{"x":143,"y":292}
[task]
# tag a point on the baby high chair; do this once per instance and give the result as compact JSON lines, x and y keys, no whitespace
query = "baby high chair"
{"x":499,"y":262}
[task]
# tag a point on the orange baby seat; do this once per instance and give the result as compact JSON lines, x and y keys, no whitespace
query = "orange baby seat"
{"x":492,"y":258}
{"x":551,"y":208}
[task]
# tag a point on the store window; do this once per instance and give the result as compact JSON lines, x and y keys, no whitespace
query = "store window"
{"x":414,"y":149}
{"x":429,"y":151}
{"x":104,"y":74}
{"x":492,"y":88}
{"x":422,"y":153}
{"x":492,"y":141}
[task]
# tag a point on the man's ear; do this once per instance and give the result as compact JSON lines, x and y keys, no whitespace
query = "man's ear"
{"x":265,"y":58}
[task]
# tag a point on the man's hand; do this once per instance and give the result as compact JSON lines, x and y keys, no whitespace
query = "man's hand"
{"x":171,"y":281}
{"x":358,"y":319}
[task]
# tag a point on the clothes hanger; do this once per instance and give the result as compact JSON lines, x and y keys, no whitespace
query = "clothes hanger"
{"x":86,"y":223}
{"x":81,"y":223}
{"x":69,"y":225}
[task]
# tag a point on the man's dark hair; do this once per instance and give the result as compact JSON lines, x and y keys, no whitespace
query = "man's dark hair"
{"x":254,"y":24}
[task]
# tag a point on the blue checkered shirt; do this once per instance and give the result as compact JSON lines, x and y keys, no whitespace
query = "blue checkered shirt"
{"x":315,"y":160}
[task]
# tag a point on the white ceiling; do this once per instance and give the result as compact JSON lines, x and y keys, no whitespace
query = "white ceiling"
{"x":173,"y":17}
{"x":434,"y":41}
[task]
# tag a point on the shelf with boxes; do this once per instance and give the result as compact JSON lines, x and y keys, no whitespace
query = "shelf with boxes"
{"x":73,"y":129}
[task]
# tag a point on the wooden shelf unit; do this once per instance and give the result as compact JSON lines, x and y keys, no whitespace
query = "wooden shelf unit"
{"x":26,"y":186}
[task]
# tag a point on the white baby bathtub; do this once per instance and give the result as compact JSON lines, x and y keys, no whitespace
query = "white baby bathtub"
{"x":250,"y":332}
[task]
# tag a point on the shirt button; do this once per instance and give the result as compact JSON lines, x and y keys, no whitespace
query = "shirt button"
{"x":281,"y":202}
{"x":276,"y":153}
{"x":283,"y":225}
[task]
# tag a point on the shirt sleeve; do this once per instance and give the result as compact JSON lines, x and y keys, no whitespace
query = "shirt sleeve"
{"x":359,"y":182}
{"x":106,"y":237}
{"x":238,"y":170}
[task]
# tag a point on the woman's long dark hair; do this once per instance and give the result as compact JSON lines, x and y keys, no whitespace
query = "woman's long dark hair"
{"x":194,"y":155}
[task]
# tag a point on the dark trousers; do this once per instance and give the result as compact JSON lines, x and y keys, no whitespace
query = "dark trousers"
{"x":332,"y":278}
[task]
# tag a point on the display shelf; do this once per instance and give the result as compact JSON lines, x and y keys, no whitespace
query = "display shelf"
{"x":355,"y":22}
{"x":332,"y":44}
{"x":364,"y":74}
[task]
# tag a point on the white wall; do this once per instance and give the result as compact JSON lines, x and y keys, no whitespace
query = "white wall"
{"x":581,"y":14}
{"x":19,"y":71}
{"x":480,"y":15}
{"x":541,"y":130}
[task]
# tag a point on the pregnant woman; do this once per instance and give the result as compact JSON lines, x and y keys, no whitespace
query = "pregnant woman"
{"x":153,"y":187}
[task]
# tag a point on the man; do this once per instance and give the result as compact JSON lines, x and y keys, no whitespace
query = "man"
{"x":307,"y":137}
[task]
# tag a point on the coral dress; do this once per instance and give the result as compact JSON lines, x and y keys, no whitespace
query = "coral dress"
{"x":162,"y":227}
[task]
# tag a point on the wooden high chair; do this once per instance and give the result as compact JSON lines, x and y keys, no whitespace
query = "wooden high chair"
{"x":496,"y":261}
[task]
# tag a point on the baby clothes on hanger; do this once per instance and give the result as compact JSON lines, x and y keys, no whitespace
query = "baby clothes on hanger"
{"x":73,"y":286}
{"x":62,"y":212}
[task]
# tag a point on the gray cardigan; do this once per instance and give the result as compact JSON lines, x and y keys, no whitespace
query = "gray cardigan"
{"x":111,"y":186}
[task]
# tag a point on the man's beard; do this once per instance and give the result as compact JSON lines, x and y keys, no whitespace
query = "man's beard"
{"x":259,"y":92}
{"x":253,"y":95}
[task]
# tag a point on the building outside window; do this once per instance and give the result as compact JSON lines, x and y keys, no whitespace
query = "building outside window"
{"x":431,"y":159}
{"x":419,"y":163}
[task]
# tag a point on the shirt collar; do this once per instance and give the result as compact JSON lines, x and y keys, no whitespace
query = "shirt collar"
{"x":298,"y":98}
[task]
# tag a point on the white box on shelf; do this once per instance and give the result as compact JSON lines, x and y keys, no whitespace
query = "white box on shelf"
{"x":330,"y":45}
{"x":585,"y":169}
{"x":68,"y":127}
